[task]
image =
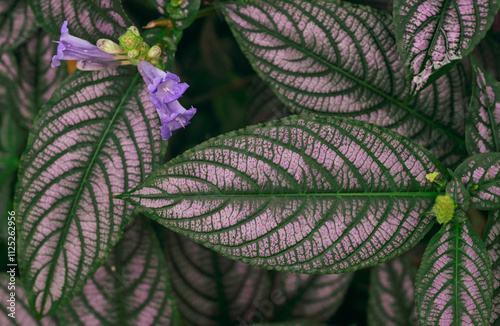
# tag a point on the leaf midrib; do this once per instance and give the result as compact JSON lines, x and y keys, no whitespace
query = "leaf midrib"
{"x":80,"y":191}
{"x":386,"y":96}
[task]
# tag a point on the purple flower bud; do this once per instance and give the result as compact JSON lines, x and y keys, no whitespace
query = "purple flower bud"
{"x":74,"y":48}
{"x":165,"y":89}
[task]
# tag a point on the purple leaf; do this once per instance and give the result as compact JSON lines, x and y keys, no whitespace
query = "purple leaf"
{"x":90,"y":19}
{"x":303,"y":194}
{"x":213,"y":290}
{"x":131,"y":288}
{"x":333,"y":58}
{"x":454,"y":284}
{"x":433,"y":35}
{"x":392,"y":287}
{"x":492,"y":243}
{"x":97,"y":137}
{"x":483,"y":118}
{"x":480,"y":175}
{"x":17,"y":23}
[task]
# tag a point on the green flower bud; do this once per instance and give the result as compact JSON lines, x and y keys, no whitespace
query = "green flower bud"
{"x":131,"y":39}
{"x":444,"y":209}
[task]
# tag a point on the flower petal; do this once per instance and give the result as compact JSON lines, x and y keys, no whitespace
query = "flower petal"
{"x":150,"y":73}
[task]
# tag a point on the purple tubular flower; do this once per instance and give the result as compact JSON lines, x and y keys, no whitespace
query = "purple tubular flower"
{"x":74,"y":48}
{"x":165,"y":89}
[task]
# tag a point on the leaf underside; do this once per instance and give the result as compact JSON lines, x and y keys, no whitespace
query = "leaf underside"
{"x":433,"y":35}
{"x":98,"y":136}
{"x":454,"y":284}
{"x":492,"y":243}
{"x":131,"y":288}
{"x":483,"y":118}
{"x":17,"y":22}
{"x":334,"y":58}
{"x":303,"y":194}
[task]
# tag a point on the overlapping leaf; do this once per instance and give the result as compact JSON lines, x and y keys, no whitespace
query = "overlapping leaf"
{"x":492,"y":242}
{"x":131,"y":288}
{"x":334,"y":58}
{"x":302,"y":194}
{"x":311,"y":298}
{"x":454,"y":283}
{"x":480,"y":174}
{"x":17,"y":22}
{"x":483,"y":118}
{"x":433,"y":35}
{"x":97,"y":136}
{"x":213,"y":290}
{"x":392,"y":294}
{"x":487,"y":54}
{"x":89,"y":19}
{"x":22,"y":313}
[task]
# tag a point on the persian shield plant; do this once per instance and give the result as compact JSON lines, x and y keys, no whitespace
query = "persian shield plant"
{"x":136,"y":190}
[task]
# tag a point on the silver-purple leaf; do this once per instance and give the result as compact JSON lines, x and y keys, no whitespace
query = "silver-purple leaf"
{"x":22,"y":312}
{"x":433,"y":35}
{"x":17,"y":22}
{"x":305,"y":297}
{"x":334,"y":58}
{"x":483,"y":119}
{"x":97,"y":137}
{"x":480,"y":174}
{"x":303,"y":194}
{"x":392,"y":287}
{"x":492,"y":243}
{"x":454,"y":283}
{"x":90,"y":19}
{"x":458,"y":192}
{"x":131,"y":288}
{"x":210,"y":289}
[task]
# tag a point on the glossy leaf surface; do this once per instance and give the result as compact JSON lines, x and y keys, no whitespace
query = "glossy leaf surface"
{"x":210,"y":289}
{"x":90,"y":19}
{"x":98,"y":136}
{"x":303,"y":194}
{"x":492,"y":242}
{"x":17,"y":22}
{"x":131,"y":288}
{"x":483,"y":118}
{"x":480,"y":174}
{"x":454,"y":283}
{"x":334,"y":58}
{"x":433,"y":35}
{"x":392,"y":289}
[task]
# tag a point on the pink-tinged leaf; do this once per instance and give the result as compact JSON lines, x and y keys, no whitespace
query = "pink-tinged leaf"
{"x":90,"y":19}
{"x":98,"y":136}
{"x":212,"y":290}
{"x":492,"y":243}
{"x":263,"y":105}
{"x":131,"y":288}
{"x":392,"y":288}
{"x":303,"y":194}
{"x":17,"y":22}
{"x":433,"y":35}
{"x":303,"y":297}
{"x":483,"y":118}
{"x":454,"y":283}
{"x":486,"y":54}
{"x":480,"y":174}
{"x":332,"y":58}
{"x":458,"y":192}
{"x":20,"y":310}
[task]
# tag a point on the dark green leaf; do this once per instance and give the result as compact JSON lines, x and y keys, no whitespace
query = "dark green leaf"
{"x":492,"y":242}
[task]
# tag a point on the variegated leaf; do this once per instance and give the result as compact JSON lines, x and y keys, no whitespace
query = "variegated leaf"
{"x":303,"y":194}
{"x":334,"y":58}
{"x":312,"y":298}
{"x":487,"y":54}
{"x":90,"y":19}
{"x":392,"y":290}
{"x":288,"y":324}
{"x":480,"y":174}
{"x":131,"y":288}
{"x":458,"y":192}
{"x":213,"y":290}
{"x":454,"y":284}
{"x":483,"y":118}
{"x":17,"y":22}
{"x":18,"y":314}
{"x":97,"y":136}
{"x":492,"y":242}
{"x":432,"y":35}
